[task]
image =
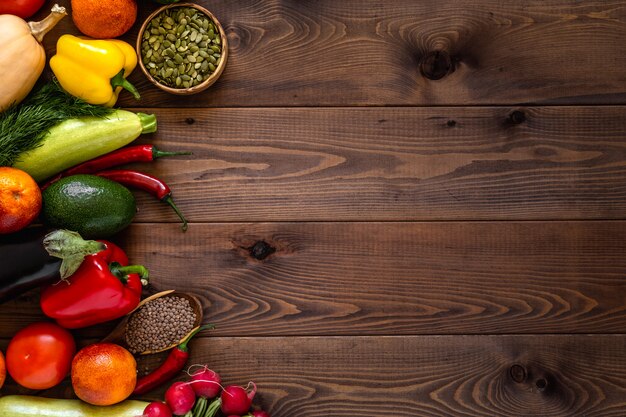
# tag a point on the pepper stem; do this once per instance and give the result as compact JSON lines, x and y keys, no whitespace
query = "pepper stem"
{"x":183,"y":345}
{"x":157,"y":153}
{"x":122,"y":272}
{"x":168,"y":199}
{"x":120,"y":81}
{"x":71,"y":248}
{"x":39,"y":29}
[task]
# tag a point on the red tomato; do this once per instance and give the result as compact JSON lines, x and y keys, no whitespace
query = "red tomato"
{"x":21,"y":8}
{"x":39,"y":356}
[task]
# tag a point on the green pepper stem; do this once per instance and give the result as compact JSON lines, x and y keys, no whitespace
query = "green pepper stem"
{"x":120,"y":81}
{"x":168,"y":199}
{"x":122,"y":272}
{"x":157,"y":153}
{"x":183,"y":345}
{"x":148,"y":122}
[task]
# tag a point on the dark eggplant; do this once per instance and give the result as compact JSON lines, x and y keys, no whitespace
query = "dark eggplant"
{"x":24,"y":262}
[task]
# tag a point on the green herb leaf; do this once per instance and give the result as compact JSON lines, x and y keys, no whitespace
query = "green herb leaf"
{"x":24,"y":126}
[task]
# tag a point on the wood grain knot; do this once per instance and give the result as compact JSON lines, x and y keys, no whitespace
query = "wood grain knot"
{"x":516,"y":117}
{"x":190,"y":120}
{"x":517,"y":373}
{"x":436,"y":65}
{"x":261,"y":250}
{"x":541,"y":384}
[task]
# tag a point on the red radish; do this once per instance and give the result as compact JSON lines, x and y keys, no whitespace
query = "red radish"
{"x":235,"y":399}
{"x":157,"y":409}
{"x":260,"y":413}
{"x":206,"y":383}
{"x":180,"y":398}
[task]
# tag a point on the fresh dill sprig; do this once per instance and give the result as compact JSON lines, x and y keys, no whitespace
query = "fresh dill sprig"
{"x":24,"y":126}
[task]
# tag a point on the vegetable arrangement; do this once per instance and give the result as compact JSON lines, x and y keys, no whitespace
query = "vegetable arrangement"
{"x":62,"y":151}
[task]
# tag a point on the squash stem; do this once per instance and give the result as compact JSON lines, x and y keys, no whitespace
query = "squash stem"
{"x":39,"y":29}
{"x":148,"y":122}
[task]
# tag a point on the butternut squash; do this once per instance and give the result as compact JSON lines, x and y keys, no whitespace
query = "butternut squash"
{"x":22,"y":57}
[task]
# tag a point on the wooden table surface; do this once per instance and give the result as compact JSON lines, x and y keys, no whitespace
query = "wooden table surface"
{"x":406,"y":208}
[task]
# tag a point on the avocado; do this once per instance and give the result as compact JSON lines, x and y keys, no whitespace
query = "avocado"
{"x":93,"y":206}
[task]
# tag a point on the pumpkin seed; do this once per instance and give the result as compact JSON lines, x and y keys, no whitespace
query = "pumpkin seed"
{"x":181,"y":47}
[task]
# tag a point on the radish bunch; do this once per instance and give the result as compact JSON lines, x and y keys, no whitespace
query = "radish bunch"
{"x":203,"y":396}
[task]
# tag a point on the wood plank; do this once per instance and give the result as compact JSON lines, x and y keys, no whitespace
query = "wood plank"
{"x":330,"y":53}
{"x":384,"y":278}
{"x":361,"y":164}
{"x":570,"y":375}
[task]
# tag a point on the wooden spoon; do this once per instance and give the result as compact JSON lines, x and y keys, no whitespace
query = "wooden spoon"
{"x":118,"y":335}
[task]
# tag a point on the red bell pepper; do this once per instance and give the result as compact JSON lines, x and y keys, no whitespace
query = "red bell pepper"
{"x":104,"y":288}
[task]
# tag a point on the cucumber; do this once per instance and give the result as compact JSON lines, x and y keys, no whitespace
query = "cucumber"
{"x":74,"y":141}
{"x":93,"y":206}
{"x":29,"y":406}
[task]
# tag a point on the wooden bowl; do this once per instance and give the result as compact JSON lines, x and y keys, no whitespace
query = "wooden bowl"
{"x":118,"y":335}
{"x":206,"y":83}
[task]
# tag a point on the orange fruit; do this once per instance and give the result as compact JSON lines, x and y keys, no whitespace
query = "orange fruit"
{"x":104,"y":19}
{"x":20,"y":199}
{"x":103,"y":374}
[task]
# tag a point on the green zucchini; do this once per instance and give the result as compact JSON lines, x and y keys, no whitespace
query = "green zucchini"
{"x":29,"y":406}
{"x":74,"y":141}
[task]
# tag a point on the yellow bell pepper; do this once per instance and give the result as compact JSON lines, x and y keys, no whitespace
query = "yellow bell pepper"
{"x":94,"y":70}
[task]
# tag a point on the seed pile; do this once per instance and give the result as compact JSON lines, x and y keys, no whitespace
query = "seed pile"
{"x":159,"y":323}
{"x":181,"y":47}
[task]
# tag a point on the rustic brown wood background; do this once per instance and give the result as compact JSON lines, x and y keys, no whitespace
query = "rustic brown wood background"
{"x":440,"y":187}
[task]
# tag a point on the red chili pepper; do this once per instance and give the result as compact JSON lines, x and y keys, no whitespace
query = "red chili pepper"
{"x":103,"y":288}
{"x":145,"y":182}
{"x":172,"y":365}
{"x":136,"y":153}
